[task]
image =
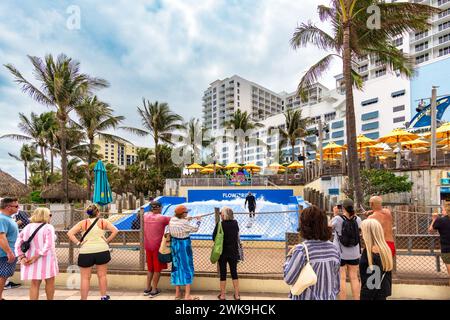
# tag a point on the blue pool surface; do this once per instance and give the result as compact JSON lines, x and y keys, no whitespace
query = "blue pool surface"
{"x":265,"y":226}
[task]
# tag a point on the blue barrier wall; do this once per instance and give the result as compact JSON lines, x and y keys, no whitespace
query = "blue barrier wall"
{"x":277,"y":196}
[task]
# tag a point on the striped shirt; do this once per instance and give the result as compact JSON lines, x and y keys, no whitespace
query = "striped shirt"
{"x":325,"y":261}
{"x":182,"y":228}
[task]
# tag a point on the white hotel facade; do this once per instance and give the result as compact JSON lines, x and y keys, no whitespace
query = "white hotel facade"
{"x":387,"y":101}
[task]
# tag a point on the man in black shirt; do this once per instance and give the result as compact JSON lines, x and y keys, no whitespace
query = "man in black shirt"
{"x":250,"y":199}
{"x":442,"y":224}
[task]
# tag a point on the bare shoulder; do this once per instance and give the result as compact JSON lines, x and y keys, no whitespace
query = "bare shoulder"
{"x":387,"y":212}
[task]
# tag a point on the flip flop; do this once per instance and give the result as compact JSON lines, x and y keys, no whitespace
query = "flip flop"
{"x":237,"y":298}
{"x":218,"y":297}
{"x":178,"y":298}
{"x":193,"y":298}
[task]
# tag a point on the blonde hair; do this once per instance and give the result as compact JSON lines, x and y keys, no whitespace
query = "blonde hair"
{"x":373,"y":235}
{"x":41,"y":215}
{"x":94,"y":209}
{"x":227,"y":213}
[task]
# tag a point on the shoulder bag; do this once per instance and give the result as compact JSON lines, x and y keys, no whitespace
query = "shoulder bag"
{"x":218,"y":244}
{"x":25,"y":246}
{"x":306,"y":278}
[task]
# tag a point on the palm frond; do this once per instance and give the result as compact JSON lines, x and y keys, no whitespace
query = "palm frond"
{"x":309,"y":33}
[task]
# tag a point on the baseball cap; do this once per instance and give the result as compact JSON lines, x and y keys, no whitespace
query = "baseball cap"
{"x":155,"y":204}
{"x":181,"y":209}
{"x":348,"y":203}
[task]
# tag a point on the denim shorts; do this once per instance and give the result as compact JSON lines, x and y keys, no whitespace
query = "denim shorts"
{"x":7,"y":269}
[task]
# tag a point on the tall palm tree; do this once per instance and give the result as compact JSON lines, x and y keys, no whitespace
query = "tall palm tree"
{"x":51,"y":137}
{"x":296,"y":129}
{"x":159,"y":122}
{"x":95,"y":117}
{"x":242,"y":121}
{"x":352,"y":38}
{"x":61,"y":86}
{"x":194,"y":132}
{"x":35,"y":129}
{"x":27,"y":155}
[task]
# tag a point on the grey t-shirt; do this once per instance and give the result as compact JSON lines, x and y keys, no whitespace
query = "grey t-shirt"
{"x":347,"y":253}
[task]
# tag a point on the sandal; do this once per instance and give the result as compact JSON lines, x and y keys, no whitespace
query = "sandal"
{"x":178,"y":298}
{"x":218,"y":297}
{"x":193,"y":298}
{"x":237,"y":298}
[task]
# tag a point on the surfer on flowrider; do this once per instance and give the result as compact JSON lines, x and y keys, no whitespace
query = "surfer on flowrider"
{"x":250,"y":200}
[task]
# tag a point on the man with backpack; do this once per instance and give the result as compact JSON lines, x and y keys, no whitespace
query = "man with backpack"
{"x":346,"y":231}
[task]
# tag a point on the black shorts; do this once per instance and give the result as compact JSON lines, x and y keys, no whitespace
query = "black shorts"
{"x":349,"y":262}
{"x":87,"y":260}
{"x":251,"y":209}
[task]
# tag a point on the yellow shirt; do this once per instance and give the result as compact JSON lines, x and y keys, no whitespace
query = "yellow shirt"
{"x":94,"y":242}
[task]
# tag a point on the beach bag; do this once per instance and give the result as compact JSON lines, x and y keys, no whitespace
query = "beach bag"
{"x":218,"y":244}
{"x":25,"y":246}
{"x":240,"y":249}
{"x":350,"y":232}
{"x":165,"y":253}
{"x":306,"y":278}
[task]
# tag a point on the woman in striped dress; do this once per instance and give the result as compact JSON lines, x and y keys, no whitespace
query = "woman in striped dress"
{"x":323,"y":255}
{"x":39,"y":262}
{"x":182,"y":273}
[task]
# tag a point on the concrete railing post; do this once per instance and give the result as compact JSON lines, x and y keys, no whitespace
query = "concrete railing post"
{"x":71,"y":222}
{"x":141,"y":240}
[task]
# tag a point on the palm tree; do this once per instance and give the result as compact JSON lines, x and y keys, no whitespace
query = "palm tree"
{"x":145,"y":157}
{"x":352,"y":38}
{"x":61,"y":86}
{"x":27,"y":155}
{"x":51,"y":137}
{"x":241,"y":121}
{"x":295,"y":130}
{"x":160,"y":123}
{"x":95,"y":117}
{"x":195,"y":140}
{"x":35,"y":129}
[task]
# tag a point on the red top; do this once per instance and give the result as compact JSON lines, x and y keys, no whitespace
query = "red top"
{"x":154,"y":225}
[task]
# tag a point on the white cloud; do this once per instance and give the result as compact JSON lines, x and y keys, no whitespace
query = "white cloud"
{"x":166,"y":50}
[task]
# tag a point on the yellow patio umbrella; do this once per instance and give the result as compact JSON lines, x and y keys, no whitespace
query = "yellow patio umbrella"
{"x":398,"y":135}
{"x":233,"y":165}
{"x":332,"y":148}
{"x":443,"y":132}
{"x":276,"y":165}
{"x":363,"y":142}
{"x":211,"y":166}
{"x":251,"y":166}
{"x":295,"y":165}
{"x":420,"y":150}
{"x":207,"y":171}
{"x":415,"y":144}
{"x":329,"y":157}
{"x":195,"y":166}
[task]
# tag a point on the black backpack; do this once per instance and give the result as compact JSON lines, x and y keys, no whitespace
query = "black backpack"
{"x":350,"y":232}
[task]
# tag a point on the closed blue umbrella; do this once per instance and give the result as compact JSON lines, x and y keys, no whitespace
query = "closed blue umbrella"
{"x":102,"y":190}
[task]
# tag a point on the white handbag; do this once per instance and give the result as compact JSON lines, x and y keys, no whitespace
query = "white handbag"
{"x":306,"y":278}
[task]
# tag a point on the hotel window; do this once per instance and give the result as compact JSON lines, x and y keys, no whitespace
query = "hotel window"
{"x":444,"y":13}
{"x":443,"y":39}
{"x":370,"y":126}
{"x":370,"y":115}
{"x":422,"y":46}
{"x":399,"y":108}
{"x":373,"y":135}
{"x":421,"y":35}
{"x":441,"y":2}
{"x":444,"y":26}
{"x":444,"y":51}
{"x":363,"y":68}
{"x":399,"y":119}
{"x":337,"y":134}
{"x":340,"y":142}
{"x":398,"y":42}
{"x":422,"y":58}
{"x":337,"y":124}
{"x":238,"y":84}
{"x":397,"y":94}
{"x":330,"y":116}
{"x":365,"y":78}
{"x":369,"y":102}
{"x":380,"y":73}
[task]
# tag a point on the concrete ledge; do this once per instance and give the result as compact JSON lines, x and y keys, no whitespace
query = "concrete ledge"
{"x":274,"y":286}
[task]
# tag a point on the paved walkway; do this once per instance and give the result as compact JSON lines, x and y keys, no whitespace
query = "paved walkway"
{"x":65,"y":294}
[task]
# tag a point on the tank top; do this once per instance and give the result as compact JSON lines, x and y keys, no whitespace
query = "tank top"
{"x":94,"y":241}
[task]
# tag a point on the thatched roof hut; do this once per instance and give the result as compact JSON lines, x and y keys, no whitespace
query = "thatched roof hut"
{"x":11,"y":187}
{"x":55,"y":192}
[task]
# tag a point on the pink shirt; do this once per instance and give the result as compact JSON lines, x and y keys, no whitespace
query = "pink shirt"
{"x":154,"y":225}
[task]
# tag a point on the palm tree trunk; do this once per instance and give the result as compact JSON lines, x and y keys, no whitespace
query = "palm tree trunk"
{"x":26,"y":172}
{"x":241,"y":145}
{"x":304,"y":155}
{"x":63,"y":140}
{"x":89,"y":178}
{"x":52,"y":156}
{"x":43,"y":171}
{"x":157,"y":155}
{"x":350,"y":118}
{"x":293,"y":151}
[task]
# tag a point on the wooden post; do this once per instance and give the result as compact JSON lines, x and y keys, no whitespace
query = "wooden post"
{"x":299,"y":210}
{"x":141,"y":240}
{"x":142,"y":200}
{"x":71,"y":219}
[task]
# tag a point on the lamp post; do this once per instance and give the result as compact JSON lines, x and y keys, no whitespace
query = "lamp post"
{"x":433,"y":126}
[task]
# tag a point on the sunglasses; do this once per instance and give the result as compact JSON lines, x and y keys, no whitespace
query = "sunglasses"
{"x":14,"y":206}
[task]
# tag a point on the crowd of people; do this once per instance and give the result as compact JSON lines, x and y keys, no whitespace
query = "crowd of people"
{"x":332,"y":248}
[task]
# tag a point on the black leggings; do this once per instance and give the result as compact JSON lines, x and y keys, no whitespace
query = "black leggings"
{"x":223,"y":268}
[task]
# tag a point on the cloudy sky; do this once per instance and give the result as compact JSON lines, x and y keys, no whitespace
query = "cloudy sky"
{"x":165,"y":50}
